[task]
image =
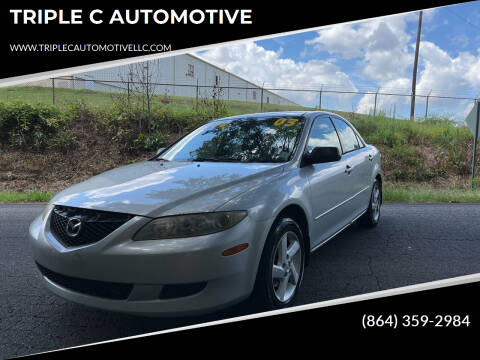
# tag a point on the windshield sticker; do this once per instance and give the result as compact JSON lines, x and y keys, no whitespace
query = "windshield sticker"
{"x":285,"y":122}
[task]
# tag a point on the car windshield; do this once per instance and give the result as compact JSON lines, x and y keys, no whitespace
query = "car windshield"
{"x":262,"y":139}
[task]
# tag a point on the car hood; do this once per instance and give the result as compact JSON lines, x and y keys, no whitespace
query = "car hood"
{"x":154,"y":188}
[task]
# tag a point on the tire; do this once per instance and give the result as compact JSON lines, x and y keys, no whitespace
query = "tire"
{"x":281,"y":266}
{"x":372,"y":216}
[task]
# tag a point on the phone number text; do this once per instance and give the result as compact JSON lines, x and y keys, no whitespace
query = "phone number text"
{"x":415,"y":320}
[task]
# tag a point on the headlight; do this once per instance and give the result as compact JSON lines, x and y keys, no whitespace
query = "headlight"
{"x":181,"y":226}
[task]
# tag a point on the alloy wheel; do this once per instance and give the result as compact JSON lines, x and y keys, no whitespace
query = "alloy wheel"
{"x":287,"y":262}
{"x":376,"y":202}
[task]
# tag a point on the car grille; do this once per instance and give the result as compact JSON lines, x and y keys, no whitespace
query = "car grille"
{"x":104,"y":289}
{"x":95,"y":225}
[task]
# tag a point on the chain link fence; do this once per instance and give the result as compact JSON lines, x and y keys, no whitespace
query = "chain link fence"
{"x":238,"y":96}
{"x":63,"y":90}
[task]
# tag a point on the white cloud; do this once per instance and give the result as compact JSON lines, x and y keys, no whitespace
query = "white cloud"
{"x":259,"y":65}
{"x":386,"y":103}
{"x":385,"y":49}
{"x":340,"y":39}
{"x":429,"y":15}
{"x":381,"y":44}
{"x":452,"y":75}
{"x":441,"y":73}
{"x":473,"y":73}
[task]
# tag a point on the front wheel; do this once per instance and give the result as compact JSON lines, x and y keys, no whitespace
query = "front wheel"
{"x":281,"y":266}
{"x":372,"y":215}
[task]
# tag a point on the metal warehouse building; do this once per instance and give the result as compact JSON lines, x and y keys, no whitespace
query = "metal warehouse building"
{"x":183,"y":75}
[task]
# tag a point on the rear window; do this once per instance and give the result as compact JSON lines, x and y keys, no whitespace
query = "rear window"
{"x":347,"y":136}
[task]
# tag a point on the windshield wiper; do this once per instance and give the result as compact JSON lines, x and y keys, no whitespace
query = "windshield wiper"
{"x":158,"y":159}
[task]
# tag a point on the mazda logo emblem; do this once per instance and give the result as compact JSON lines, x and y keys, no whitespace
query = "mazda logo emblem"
{"x":74,"y":226}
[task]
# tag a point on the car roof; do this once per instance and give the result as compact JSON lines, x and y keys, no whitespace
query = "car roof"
{"x":275,"y":114}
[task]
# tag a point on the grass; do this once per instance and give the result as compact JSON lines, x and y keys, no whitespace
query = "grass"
{"x":28,"y":196}
{"x":391,"y":193}
{"x":391,"y":132}
{"x":432,"y":150}
{"x":43,"y":95}
{"x":100,"y":99}
{"x":426,"y":194}
{"x":423,"y":161}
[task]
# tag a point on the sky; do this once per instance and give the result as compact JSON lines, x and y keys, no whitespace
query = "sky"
{"x":370,"y":55}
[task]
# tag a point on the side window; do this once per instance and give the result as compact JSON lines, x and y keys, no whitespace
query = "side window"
{"x":323,"y":134}
{"x":347,"y":135}
{"x":360,"y":142}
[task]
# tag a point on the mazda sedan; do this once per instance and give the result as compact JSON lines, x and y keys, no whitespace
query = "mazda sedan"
{"x":230,"y":211}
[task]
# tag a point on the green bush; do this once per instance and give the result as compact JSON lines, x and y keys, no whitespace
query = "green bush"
{"x":412,"y":150}
{"x":476,"y":183}
{"x":149,"y":142}
{"x":405,"y":161}
{"x":27,"y":126}
{"x":125,"y":139}
{"x":64,"y":141}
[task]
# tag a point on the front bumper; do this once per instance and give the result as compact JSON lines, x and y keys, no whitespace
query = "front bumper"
{"x":151,"y":265}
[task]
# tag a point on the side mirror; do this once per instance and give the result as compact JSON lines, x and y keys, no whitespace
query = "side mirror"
{"x":321,"y":155}
{"x":160,"y":150}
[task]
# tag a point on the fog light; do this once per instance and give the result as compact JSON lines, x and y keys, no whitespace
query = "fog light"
{"x":234,"y":250}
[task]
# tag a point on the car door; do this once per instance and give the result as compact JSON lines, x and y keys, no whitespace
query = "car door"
{"x":329,"y":184}
{"x":357,"y":168}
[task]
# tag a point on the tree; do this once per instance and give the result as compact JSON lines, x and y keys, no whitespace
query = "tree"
{"x":140,"y":90}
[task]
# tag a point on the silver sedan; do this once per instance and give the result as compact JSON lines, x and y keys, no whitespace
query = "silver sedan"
{"x":231,"y":210}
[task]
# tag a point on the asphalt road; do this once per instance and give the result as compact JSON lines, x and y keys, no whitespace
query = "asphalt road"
{"x":412,"y":244}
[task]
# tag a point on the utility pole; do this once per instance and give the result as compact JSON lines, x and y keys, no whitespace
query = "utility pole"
{"x":261,"y":100}
{"x":415,"y":64}
{"x":426,"y":106}
{"x":196,"y":97}
{"x":320,"y":99}
{"x":475,"y":136}
{"x":53,"y":91}
{"x":130,"y":79}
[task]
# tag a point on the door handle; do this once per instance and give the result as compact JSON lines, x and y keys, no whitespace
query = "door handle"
{"x":348,"y":169}
{"x":370,"y":157}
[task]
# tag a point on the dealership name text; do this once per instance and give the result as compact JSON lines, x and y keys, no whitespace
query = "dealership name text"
{"x":136,"y":16}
